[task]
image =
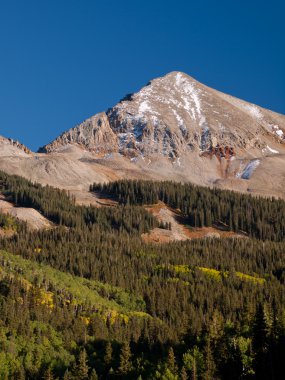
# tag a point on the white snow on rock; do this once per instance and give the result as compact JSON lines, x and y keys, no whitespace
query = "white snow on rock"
{"x":253,"y":111}
{"x":178,"y":118}
{"x":276,"y":130}
{"x":108,"y":156}
{"x":203,"y":123}
{"x":272,"y":150}
{"x":190,"y":95}
{"x":249,"y":169}
{"x":177,"y":162}
{"x":144,"y":106}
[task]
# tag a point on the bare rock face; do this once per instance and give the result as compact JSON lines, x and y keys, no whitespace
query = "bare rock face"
{"x":94,"y":134}
{"x":12,"y":147}
{"x":175,"y":115}
{"x":174,"y":128}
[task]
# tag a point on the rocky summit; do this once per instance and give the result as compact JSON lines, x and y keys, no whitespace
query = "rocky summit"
{"x":174,"y":115}
{"x":173,"y":128}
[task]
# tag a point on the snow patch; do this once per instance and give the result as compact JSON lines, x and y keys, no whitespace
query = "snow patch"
{"x":193,"y":93}
{"x":178,"y":79}
{"x":155,"y":120}
{"x":179,"y":120}
{"x":276,"y":130}
{"x":190,"y":95}
{"x":249,"y":169}
{"x":177,"y":162}
{"x":108,"y":156}
{"x":144,"y":107}
{"x":271,"y":150}
{"x":123,"y":138}
{"x":203,"y":123}
{"x":253,"y":111}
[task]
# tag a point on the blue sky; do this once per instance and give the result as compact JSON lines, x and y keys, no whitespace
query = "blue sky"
{"x":62,"y":61}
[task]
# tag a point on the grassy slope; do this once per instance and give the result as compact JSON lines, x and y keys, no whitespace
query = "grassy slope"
{"x":104,"y":297}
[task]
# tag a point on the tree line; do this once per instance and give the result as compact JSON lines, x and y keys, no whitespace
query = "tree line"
{"x":209,"y":309}
{"x":262,"y":218}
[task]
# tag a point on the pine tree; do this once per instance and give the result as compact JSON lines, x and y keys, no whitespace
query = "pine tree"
{"x":108,"y":357}
{"x":125,"y":359}
{"x":260,"y":343}
{"x":93,"y":375}
{"x":19,"y":374}
{"x":81,"y":370}
{"x":183,"y":374}
{"x":67,"y":375}
{"x":171,"y":361}
{"x":193,"y":362}
{"x":48,"y":375}
{"x":210,"y":367}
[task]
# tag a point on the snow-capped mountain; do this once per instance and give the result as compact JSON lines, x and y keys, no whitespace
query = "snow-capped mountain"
{"x":172,"y":116}
{"x":173,"y":128}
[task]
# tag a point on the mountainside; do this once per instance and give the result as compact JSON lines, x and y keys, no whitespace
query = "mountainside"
{"x":173,"y":128}
{"x":92,"y":298}
{"x":174,"y":115}
{"x":10,"y":147}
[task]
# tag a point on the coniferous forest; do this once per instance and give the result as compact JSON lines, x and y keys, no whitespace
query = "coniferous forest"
{"x":89,"y":299}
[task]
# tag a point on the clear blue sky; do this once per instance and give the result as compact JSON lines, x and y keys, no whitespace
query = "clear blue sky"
{"x":64,"y":60}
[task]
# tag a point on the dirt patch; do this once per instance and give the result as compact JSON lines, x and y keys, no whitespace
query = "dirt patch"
{"x":87,"y":198}
{"x":167,"y":216}
{"x":209,"y":232}
{"x":179,"y":228}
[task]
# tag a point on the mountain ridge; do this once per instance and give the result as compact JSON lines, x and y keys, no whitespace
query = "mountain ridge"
{"x":167,"y":114}
{"x":174,"y":128}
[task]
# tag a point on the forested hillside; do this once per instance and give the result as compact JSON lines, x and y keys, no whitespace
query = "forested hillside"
{"x":262,"y":218}
{"x":88,"y":299}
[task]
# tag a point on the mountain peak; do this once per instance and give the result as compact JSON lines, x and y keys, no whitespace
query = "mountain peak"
{"x":174,"y":115}
{"x":173,"y":128}
{"x":176,"y":75}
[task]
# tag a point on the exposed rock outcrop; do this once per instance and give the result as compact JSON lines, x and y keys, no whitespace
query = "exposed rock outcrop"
{"x":174,"y":115}
{"x":9,"y":146}
{"x":94,"y":134}
{"x":175,"y":128}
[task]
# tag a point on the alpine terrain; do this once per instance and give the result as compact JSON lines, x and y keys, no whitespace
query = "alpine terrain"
{"x":125,"y":254}
{"x":173,"y":128}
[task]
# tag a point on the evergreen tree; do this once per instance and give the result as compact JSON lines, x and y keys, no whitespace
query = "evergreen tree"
{"x":81,"y":369}
{"x":19,"y":374}
{"x":48,"y":375}
{"x":93,"y":375}
{"x":171,"y":361}
{"x":108,"y":357}
{"x":67,"y":375}
{"x":210,"y":367}
{"x":183,"y":374}
{"x":261,"y":344}
{"x":125,"y":359}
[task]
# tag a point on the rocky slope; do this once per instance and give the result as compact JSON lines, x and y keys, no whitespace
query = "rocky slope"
{"x":173,"y":128}
{"x":34,"y":219}
{"x":174,"y":115}
{"x":10,"y":147}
